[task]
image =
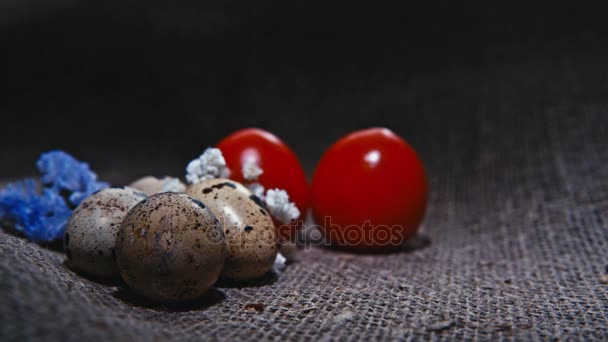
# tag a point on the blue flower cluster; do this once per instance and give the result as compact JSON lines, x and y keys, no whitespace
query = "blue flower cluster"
{"x":43,"y":214}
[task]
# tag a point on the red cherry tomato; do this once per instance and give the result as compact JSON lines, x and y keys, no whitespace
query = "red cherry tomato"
{"x":282,"y":169}
{"x":369,"y":191}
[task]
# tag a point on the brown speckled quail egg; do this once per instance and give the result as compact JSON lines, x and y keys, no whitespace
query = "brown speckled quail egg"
{"x":151,"y":185}
{"x":90,"y":234}
{"x":251,"y":237}
{"x":148,"y":185}
{"x":170,"y":248}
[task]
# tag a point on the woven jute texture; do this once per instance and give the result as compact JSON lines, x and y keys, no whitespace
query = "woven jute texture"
{"x":518,"y":234}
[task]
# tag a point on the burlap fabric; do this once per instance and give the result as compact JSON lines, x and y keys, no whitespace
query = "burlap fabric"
{"x":517,"y":229}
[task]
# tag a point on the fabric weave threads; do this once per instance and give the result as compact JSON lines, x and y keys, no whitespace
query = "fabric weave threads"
{"x":518,"y":229}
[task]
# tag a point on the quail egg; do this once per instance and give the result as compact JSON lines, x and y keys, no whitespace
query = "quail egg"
{"x":152,"y":185}
{"x":170,"y":248}
{"x":90,"y":234}
{"x":251,"y":237}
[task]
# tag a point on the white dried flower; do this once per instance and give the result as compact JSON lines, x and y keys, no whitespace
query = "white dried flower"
{"x":251,"y":170}
{"x":279,"y":206}
{"x":171,"y":184}
{"x":210,"y":164}
{"x":280,"y":263}
{"x":257,"y":189}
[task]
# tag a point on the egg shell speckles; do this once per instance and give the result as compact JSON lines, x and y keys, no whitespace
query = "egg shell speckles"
{"x":90,"y":234}
{"x":251,"y":237}
{"x":170,"y":248}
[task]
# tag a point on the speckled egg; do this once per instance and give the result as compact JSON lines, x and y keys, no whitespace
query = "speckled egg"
{"x":251,"y":237}
{"x":90,"y":235}
{"x":150,"y":185}
{"x":170,"y":248}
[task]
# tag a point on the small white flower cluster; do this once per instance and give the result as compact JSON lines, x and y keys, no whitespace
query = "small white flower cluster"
{"x":279,"y":206}
{"x":171,"y":184}
{"x":276,"y":200}
{"x":251,"y":170}
{"x":257,"y":189}
{"x":211,"y":164}
{"x":280,"y":263}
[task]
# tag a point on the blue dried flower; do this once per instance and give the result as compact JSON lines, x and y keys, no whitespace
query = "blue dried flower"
{"x":43,"y":215}
{"x":62,"y":172}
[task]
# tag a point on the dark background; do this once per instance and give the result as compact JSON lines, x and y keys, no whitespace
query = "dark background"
{"x":506,"y":103}
{"x":141,"y":88}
